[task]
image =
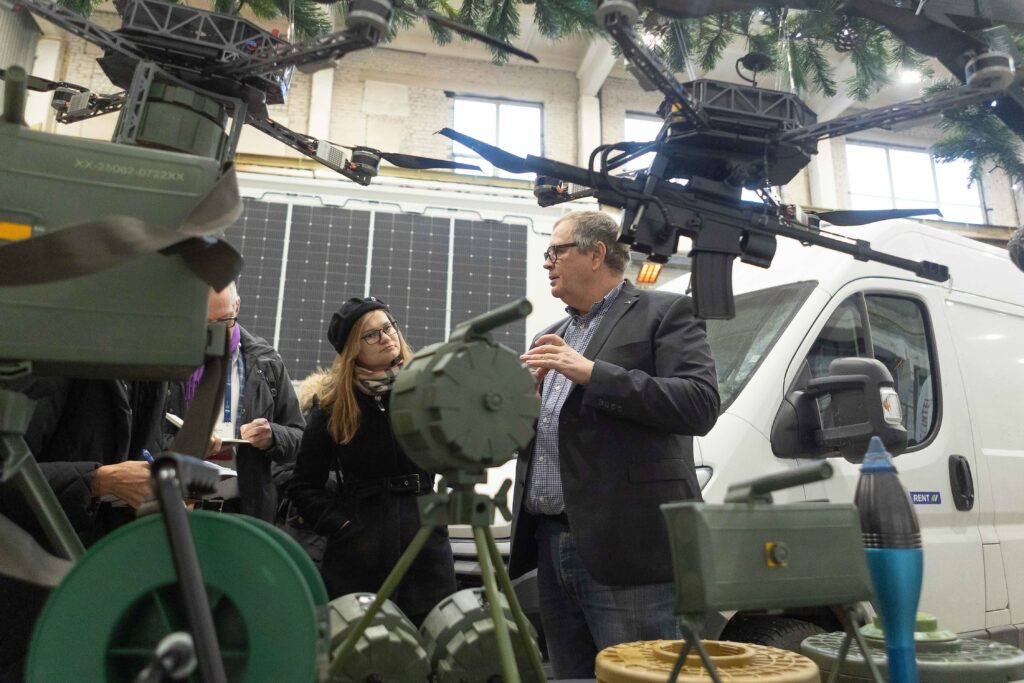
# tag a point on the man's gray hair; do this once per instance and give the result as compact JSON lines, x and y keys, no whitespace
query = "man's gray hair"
{"x":591,"y":227}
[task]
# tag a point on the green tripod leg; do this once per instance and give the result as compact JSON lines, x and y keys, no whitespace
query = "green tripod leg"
{"x":19,"y":466}
{"x":513,"y":603}
{"x":508,"y":660}
{"x":390,"y":583}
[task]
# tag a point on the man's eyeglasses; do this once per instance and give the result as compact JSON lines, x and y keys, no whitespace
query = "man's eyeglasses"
{"x":377,"y":336}
{"x":555,"y":250}
{"x":228,"y":320}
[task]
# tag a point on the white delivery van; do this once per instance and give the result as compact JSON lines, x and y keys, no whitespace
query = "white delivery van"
{"x":956,"y":353}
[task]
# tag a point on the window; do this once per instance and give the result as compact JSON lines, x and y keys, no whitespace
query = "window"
{"x":897,"y":178}
{"x":740,"y":344}
{"x":893,"y":330}
{"x":513,"y":126}
{"x":641,"y":128}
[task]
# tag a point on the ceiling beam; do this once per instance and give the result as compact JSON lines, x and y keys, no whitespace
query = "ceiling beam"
{"x":595,"y":66}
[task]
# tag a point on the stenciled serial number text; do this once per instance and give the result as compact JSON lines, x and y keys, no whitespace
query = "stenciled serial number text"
{"x":129,"y":171}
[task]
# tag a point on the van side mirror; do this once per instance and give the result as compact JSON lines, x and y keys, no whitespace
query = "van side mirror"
{"x":839,"y":413}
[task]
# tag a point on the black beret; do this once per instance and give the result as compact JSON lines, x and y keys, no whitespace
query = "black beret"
{"x":344,"y":319}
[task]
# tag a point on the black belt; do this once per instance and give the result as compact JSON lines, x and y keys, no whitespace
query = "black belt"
{"x":403,"y":483}
{"x":560,"y":518}
{"x":218,"y":504}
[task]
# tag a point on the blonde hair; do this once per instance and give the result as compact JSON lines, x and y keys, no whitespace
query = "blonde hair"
{"x":339,"y":398}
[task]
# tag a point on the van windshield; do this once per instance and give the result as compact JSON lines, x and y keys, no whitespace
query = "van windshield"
{"x":741,"y":344}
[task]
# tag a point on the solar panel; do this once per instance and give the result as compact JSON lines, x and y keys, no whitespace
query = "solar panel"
{"x":328,"y":252}
{"x":410,"y":273}
{"x":489,"y":270}
{"x":259,"y":236}
{"x":326,"y":266}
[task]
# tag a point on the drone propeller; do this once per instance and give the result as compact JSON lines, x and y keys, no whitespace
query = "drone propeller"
{"x":847,"y":218}
{"x":409,"y":160}
{"x":453,"y":25}
{"x":44,"y":85}
{"x":506,"y":161}
{"x":470,"y":32}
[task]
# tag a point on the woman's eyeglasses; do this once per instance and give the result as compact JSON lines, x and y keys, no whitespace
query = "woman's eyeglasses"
{"x":376,"y":336}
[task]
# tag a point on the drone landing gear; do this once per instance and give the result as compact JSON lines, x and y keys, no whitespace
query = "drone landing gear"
{"x":462,"y":505}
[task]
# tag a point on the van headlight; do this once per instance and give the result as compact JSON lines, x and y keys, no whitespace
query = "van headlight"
{"x":703,"y":476}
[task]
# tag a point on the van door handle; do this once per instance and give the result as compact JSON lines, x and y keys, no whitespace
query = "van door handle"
{"x":961,"y":482}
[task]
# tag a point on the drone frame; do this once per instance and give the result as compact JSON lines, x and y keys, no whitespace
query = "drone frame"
{"x":227,"y":60}
{"x":709,"y":210}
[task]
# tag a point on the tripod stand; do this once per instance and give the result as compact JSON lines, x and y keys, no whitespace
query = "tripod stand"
{"x":461,"y":505}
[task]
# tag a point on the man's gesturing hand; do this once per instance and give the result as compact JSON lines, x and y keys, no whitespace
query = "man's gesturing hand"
{"x":550,"y":352}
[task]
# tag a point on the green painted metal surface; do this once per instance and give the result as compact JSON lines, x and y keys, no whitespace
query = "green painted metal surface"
{"x":103,"y":621}
{"x":462,"y":641}
{"x":762,"y":556}
{"x":145,"y":318}
{"x":390,"y":649}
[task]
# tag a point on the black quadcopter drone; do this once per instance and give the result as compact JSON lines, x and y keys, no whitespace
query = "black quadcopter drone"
{"x":221,"y":66}
{"x":722,"y":138}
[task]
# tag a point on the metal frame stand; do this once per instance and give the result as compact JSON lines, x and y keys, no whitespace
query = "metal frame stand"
{"x":691,"y":639}
{"x":463,"y":505}
{"x":847,"y":615}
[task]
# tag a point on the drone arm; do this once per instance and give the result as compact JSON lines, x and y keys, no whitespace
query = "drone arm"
{"x":885,"y":117}
{"x":320,"y":151}
{"x":618,"y":25}
{"x":97,"y":105}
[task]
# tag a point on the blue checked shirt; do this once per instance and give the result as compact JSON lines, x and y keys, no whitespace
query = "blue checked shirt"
{"x":544,"y":487}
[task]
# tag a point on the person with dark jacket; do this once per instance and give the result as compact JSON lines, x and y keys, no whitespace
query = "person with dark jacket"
{"x":374,"y":517}
{"x":260,"y":407}
{"x":626,"y":381}
{"x":88,"y":437}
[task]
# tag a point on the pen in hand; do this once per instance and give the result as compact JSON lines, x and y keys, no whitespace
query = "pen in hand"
{"x":147,"y":456}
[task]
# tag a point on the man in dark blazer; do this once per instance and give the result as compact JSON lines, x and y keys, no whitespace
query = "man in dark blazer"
{"x":626,"y":381}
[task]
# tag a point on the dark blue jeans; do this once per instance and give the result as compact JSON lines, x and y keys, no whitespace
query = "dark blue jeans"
{"x":581,"y":617}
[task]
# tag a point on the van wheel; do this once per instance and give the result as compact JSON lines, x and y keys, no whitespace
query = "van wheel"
{"x":784,"y":633}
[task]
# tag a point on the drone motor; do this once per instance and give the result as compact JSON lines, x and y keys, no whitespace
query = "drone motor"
{"x":70,"y":102}
{"x":364,"y":161}
{"x":990,"y":70}
{"x":623,"y":11}
{"x":370,"y":17}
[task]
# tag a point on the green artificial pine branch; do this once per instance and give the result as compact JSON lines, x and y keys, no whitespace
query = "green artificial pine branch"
{"x":974,"y":133}
{"x":503,"y":24}
{"x":307,"y":18}
{"x":558,"y":18}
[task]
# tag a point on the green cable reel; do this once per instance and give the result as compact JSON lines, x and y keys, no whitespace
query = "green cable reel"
{"x":103,"y":622}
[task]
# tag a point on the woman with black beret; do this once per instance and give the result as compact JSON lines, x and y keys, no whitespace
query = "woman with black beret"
{"x":374,"y":516}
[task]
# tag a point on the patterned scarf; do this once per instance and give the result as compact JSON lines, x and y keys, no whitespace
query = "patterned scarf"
{"x":376,"y":382}
{"x":192,"y":383}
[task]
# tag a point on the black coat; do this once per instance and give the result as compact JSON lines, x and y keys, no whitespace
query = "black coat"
{"x":267,"y":392}
{"x":380,"y":523}
{"x":625,"y":440}
{"x":77,"y":426}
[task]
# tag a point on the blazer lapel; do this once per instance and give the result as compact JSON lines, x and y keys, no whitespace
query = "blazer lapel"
{"x":622,"y":303}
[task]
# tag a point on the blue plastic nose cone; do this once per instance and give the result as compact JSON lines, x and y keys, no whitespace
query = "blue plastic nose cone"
{"x":876,"y":458}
